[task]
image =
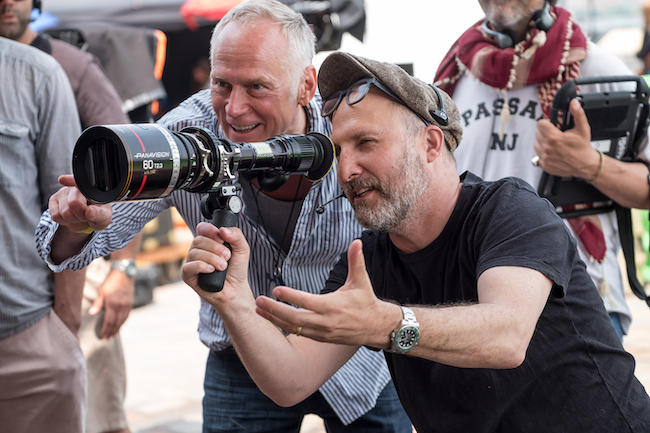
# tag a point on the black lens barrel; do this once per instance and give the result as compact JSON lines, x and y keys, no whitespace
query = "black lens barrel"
{"x":131,"y":162}
{"x":147,"y":161}
{"x":311,"y":155}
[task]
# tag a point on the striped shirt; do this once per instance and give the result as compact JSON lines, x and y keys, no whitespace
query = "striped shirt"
{"x":318,"y":241}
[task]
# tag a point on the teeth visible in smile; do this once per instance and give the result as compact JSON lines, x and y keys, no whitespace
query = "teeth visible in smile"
{"x":363,"y":191}
{"x":243,"y":128}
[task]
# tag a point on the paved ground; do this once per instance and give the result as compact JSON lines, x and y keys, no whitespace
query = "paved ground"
{"x":165,"y":362}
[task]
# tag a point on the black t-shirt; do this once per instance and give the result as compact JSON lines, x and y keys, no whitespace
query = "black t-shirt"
{"x":576,"y":376}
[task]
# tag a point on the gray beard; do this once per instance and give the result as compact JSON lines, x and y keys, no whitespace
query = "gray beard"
{"x":397,"y":199}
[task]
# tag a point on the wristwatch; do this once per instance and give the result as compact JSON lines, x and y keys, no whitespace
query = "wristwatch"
{"x":126,"y":265}
{"x":406,"y":336}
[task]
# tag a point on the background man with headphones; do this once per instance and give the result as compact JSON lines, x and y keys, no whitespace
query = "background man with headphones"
{"x":503,"y":73}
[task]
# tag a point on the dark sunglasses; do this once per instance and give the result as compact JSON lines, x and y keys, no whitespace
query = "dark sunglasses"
{"x":359,"y":89}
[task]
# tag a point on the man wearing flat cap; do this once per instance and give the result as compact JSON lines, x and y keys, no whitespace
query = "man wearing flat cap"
{"x":474,"y":290}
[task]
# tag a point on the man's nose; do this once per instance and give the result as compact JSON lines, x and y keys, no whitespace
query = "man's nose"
{"x":348,"y":167}
{"x":237,"y":102}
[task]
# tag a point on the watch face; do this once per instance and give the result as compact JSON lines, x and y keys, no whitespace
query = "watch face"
{"x":407,"y":338}
{"x":127,"y":266}
{"x":130,"y":270}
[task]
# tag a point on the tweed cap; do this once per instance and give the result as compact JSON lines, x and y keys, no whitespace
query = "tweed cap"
{"x":339,"y":70}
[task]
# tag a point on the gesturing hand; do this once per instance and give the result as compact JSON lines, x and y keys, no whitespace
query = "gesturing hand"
{"x":351,"y":315}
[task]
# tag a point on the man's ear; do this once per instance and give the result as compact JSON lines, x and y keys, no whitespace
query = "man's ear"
{"x":435,"y":141}
{"x":308,"y":86}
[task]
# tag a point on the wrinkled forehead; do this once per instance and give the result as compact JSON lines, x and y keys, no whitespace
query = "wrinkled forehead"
{"x":260,"y":42}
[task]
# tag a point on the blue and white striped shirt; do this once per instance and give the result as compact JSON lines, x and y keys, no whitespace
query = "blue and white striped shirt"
{"x":318,"y":241}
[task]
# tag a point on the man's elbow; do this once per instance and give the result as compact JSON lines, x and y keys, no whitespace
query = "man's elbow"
{"x":513,"y":359}
{"x":286,"y":401}
{"x":513,"y":353}
{"x":287,"y":397}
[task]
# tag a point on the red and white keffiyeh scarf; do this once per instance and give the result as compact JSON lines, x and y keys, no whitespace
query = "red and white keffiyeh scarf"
{"x":547,"y":59}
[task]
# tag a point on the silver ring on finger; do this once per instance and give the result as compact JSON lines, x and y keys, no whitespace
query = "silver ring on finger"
{"x":535,"y":161}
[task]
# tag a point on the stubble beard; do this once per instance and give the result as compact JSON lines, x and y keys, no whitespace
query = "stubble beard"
{"x":506,"y":15}
{"x":14,"y":32}
{"x":397,"y":199}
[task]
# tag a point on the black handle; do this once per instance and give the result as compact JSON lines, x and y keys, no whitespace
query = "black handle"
{"x":569,"y":90}
{"x":214,"y":282}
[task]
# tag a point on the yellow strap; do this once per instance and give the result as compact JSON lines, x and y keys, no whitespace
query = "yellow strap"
{"x":86,"y":231}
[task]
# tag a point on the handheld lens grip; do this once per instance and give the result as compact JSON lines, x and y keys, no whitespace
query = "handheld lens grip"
{"x":214,"y":282}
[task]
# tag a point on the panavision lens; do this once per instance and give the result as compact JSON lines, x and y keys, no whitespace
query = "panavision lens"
{"x":147,"y":161}
{"x":135,"y":162}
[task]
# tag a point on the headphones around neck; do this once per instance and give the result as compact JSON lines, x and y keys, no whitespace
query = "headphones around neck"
{"x":506,"y":38}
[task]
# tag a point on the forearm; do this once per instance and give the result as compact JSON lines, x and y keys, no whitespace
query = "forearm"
{"x":66,"y":244}
{"x":570,"y":153}
{"x":130,"y":251}
{"x":116,"y":293}
{"x":68,"y":294}
{"x":472,"y":336}
{"x":493,"y":333}
{"x":625,"y":183}
{"x":57,"y":243}
{"x":286,"y":369}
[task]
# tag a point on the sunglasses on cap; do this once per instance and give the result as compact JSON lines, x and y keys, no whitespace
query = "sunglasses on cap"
{"x":355,"y":94}
{"x":360,"y":88}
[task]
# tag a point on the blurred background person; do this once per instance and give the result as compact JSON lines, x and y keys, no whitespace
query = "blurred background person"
{"x":42,"y":372}
{"x":106,"y":303}
{"x":201,"y":74}
{"x":644,"y":52}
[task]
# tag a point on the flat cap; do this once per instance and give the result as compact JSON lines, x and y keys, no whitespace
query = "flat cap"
{"x":340,"y":70}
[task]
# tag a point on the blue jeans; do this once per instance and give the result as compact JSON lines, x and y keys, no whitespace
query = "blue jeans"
{"x":616,"y":321}
{"x":233,"y":403}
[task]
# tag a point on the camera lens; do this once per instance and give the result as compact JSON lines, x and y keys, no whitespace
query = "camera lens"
{"x":311,"y":154}
{"x":138,"y":161}
{"x":147,"y":161}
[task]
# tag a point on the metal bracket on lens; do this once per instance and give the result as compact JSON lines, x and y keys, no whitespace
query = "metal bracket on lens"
{"x":225,"y":158}
{"x":205,"y":152}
